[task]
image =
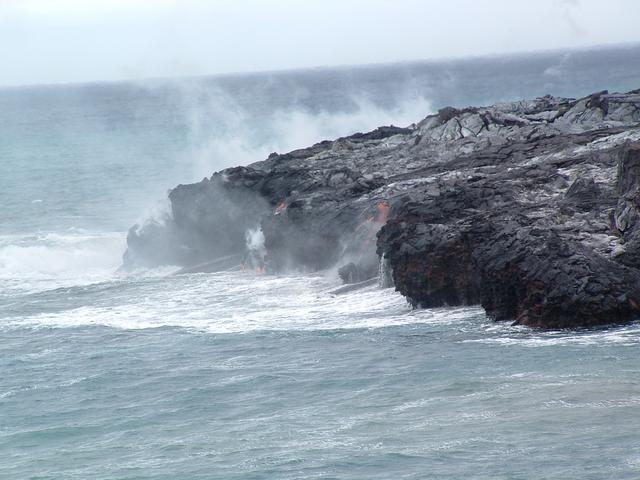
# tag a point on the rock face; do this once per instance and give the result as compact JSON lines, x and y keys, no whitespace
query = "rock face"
{"x":530,"y":208}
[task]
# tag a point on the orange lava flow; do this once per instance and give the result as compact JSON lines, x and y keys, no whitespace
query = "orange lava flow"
{"x":280,"y":207}
{"x":383,"y":212}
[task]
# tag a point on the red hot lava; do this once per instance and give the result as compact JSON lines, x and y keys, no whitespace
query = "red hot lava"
{"x":280,"y":208}
{"x":383,"y":212}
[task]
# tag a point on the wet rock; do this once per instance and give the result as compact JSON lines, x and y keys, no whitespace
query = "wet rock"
{"x":529,"y":208}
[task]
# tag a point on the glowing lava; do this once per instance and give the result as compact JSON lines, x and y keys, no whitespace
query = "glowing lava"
{"x":383,"y":212}
{"x":282,"y":206}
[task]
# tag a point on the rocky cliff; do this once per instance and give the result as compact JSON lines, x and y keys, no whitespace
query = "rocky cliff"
{"x":529,"y":208}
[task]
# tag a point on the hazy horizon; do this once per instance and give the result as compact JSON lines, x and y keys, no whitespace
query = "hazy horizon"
{"x":73,"y":41}
{"x":329,"y":67}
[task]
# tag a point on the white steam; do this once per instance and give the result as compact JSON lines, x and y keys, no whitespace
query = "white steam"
{"x":225,"y":130}
{"x":158,"y":213}
{"x":254,"y":238}
{"x":559,"y":69}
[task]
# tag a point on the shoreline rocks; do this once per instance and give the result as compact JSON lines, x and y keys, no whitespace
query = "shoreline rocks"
{"x":529,"y":208}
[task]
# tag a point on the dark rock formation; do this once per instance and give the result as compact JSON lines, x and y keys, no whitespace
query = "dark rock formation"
{"x":528,"y":208}
{"x":209,"y":220}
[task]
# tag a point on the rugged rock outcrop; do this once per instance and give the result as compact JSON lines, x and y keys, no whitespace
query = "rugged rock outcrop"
{"x":528,"y":208}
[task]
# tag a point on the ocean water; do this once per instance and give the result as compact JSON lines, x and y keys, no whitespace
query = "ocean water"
{"x":106,"y":375}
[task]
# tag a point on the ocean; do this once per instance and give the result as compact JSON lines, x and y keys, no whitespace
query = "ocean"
{"x":143,"y":375}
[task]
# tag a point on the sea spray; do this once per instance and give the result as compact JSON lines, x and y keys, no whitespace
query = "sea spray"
{"x":49,"y":260}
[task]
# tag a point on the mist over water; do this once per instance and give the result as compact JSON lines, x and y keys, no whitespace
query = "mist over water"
{"x":240,"y":375}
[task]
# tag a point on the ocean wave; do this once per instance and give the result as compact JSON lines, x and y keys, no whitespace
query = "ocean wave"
{"x":52,"y":259}
{"x":237,"y":303}
{"x":502,"y":334}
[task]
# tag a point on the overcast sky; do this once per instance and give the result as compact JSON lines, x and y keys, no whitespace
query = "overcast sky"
{"x":52,"y":41}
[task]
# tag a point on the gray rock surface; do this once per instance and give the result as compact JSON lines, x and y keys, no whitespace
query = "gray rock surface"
{"x":528,"y":208}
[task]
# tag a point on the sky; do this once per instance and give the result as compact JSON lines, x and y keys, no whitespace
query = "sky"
{"x":61,"y":41}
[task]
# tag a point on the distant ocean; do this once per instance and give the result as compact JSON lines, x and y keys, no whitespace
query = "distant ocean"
{"x":106,"y":375}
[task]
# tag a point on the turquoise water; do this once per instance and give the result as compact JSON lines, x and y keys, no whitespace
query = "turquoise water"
{"x":146,"y":376}
{"x":434,"y":399}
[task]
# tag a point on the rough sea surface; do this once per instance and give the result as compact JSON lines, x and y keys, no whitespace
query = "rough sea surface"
{"x":144,"y":375}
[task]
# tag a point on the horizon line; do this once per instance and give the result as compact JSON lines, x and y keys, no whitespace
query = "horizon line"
{"x":280,"y":71}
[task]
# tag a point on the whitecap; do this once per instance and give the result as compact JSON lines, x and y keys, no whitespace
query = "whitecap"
{"x":234,"y":303}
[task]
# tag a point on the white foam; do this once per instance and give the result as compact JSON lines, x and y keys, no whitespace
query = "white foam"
{"x":506,"y":335}
{"x":51,"y":260}
{"x":232,"y":303}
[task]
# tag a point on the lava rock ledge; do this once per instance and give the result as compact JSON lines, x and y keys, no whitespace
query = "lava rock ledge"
{"x":530,"y":209}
